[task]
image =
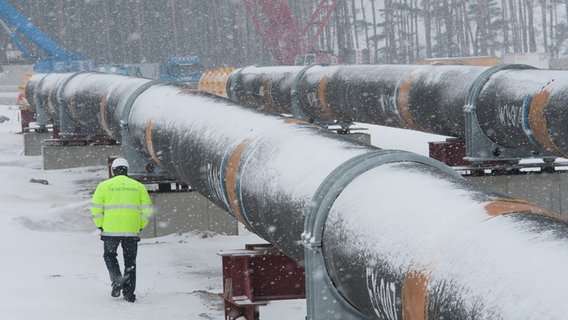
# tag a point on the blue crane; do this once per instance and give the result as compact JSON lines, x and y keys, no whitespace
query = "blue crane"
{"x":57,"y":59}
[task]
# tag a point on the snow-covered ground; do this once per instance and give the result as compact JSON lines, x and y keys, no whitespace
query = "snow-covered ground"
{"x":53,"y":267}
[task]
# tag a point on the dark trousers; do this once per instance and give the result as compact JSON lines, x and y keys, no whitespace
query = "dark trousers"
{"x":129,"y":251}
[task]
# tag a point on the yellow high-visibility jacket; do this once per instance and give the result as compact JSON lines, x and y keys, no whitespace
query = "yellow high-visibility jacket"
{"x":121,"y":206}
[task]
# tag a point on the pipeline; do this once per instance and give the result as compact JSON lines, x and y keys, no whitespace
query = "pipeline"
{"x":516,"y":106}
{"x":402,"y":236}
{"x":56,"y":102}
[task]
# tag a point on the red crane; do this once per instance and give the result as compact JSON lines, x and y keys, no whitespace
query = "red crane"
{"x":279,"y":31}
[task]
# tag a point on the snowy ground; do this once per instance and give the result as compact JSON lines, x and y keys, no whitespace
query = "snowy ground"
{"x":53,"y":267}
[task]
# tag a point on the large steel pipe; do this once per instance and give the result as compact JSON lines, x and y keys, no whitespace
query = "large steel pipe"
{"x":402,"y":236}
{"x":81,"y":99}
{"x":40,"y":92}
{"x":516,"y":106}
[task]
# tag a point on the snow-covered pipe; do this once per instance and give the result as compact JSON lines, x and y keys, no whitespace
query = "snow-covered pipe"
{"x":516,"y":106}
{"x":40,"y":93}
{"x":402,"y":236}
{"x":82,"y":103}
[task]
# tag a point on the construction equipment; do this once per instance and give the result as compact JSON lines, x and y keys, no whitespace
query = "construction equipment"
{"x":57,"y":59}
{"x":121,"y":69}
{"x":281,"y":35}
{"x":11,"y":54}
{"x":186,"y":70}
{"x":384,"y":234}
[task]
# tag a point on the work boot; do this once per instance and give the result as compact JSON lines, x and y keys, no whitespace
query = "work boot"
{"x":116,"y":287}
{"x":129,"y":297}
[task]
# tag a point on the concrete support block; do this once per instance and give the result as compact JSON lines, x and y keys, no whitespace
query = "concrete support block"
{"x":62,"y":157}
{"x":547,"y":190}
{"x":178,"y":212}
{"x":359,"y":136}
{"x":175,"y":212}
{"x":33,"y":142}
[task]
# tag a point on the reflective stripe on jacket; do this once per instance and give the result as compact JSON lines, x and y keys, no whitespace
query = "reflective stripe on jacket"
{"x":121,"y":206}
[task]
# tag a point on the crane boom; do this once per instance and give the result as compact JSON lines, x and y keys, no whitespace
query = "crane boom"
{"x":277,"y":28}
{"x":16,"y":40}
{"x":31,"y":32}
{"x":279,"y":31}
{"x":58,"y":59}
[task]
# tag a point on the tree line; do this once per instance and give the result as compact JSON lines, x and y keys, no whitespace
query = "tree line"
{"x":223,"y":33}
{"x":413,"y":29}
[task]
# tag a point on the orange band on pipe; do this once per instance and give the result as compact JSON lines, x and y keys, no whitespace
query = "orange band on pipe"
{"x":184,"y":91}
{"x":232,"y":171}
{"x":506,"y":206}
{"x":403,"y":103}
{"x":326,"y":110}
{"x":266,"y":95}
{"x":415,"y":285}
{"x":72,"y":104}
{"x":50,"y":103}
{"x":296,"y":121}
{"x":102,"y":113}
{"x":537,"y":122}
{"x":150,"y":144}
{"x":415,"y":296}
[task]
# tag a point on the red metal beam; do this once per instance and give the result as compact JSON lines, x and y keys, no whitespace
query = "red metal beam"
{"x":277,"y":28}
{"x":279,"y":31}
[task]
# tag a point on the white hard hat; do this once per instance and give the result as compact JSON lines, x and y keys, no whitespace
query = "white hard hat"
{"x":119,"y":162}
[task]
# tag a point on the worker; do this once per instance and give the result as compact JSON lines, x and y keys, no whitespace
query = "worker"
{"x":121,"y":208}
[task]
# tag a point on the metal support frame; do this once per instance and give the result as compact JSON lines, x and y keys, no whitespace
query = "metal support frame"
{"x":42,"y":117}
{"x":257,"y":275}
{"x":27,"y":116}
{"x":479,"y":148}
{"x":299,"y":112}
{"x":141,"y":168}
{"x":67,"y":128}
{"x":324,"y":301}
